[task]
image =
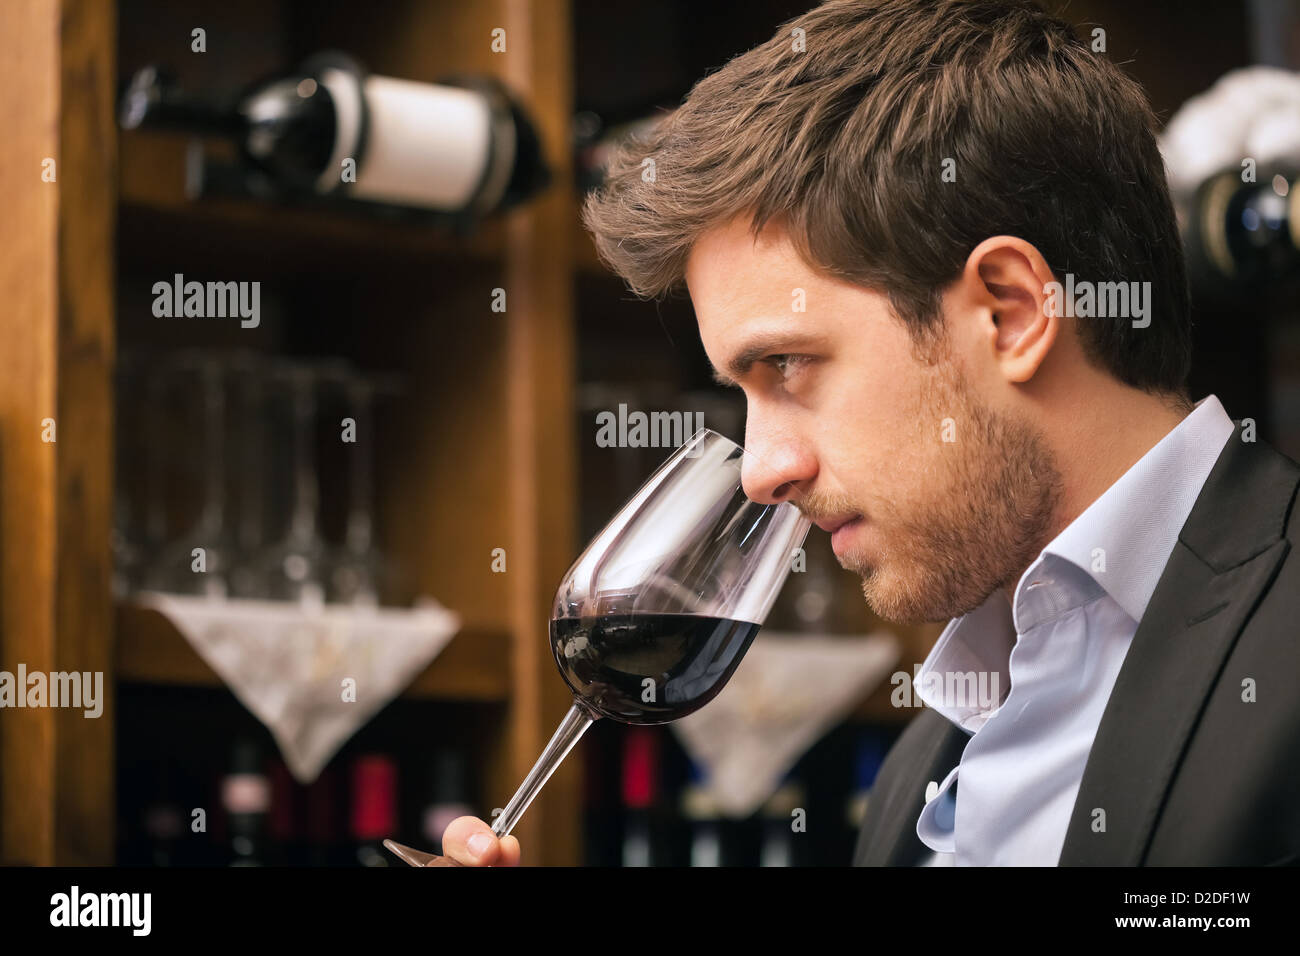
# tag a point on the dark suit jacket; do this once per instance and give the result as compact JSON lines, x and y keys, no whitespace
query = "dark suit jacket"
{"x":1188,"y":772}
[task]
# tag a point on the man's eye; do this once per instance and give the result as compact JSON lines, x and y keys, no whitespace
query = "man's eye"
{"x":783,"y":363}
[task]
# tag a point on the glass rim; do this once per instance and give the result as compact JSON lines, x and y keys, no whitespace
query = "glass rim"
{"x":704,"y":430}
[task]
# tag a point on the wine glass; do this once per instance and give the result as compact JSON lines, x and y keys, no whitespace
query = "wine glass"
{"x":651,"y":621}
{"x":197,"y":381}
{"x":291,"y":568}
{"x":357,"y":570}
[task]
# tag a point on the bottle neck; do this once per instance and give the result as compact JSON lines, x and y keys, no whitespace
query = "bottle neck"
{"x":154,"y":101}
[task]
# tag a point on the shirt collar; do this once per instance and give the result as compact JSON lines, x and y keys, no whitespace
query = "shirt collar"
{"x":1123,"y":539}
{"x":1118,"y":545}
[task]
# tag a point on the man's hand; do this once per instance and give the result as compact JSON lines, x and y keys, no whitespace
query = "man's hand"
{"x":468,"y":841}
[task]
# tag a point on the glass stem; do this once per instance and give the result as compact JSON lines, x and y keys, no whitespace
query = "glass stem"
{"x":573,"y":726}
{"x":212,"y":518}
{"x":302,"y":527}
{"x":360,"y":524}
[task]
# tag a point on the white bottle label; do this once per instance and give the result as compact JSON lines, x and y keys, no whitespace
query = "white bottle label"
{"x":425,"y":146}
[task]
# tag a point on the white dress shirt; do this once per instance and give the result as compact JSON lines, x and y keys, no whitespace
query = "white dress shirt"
{"x":1049,"y":665}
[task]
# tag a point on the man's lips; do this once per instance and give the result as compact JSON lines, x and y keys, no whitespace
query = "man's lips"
{"x":830,"y":525}
{"x":841,"y":529}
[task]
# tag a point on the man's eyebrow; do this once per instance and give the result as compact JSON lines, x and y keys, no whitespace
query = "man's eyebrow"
{"x":739,"y":364}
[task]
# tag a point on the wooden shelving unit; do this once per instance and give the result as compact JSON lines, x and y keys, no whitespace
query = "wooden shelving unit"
{"x":488,"y":457}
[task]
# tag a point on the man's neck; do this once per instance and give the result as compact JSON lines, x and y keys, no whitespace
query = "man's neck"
{"x":1094,"y":450}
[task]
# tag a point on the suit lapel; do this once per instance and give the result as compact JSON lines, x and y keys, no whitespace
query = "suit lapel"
{"x":938,"y":749}
{"x":1227,"y":554}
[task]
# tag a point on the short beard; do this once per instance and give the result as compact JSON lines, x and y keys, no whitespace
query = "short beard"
{"x":944,"y":556}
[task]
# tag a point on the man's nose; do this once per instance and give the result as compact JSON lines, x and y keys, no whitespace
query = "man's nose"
{"x":774,"y":471}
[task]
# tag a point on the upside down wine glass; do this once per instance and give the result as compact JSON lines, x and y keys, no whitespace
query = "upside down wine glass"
{"x":651,"y":621}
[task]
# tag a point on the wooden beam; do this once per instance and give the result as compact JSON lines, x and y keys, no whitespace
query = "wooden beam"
{"x":540,"y":371}
{"x":56,"y":279}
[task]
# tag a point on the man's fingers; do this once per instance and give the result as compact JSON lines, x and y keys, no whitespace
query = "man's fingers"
{"x":510,"y":852}
{"x":470,"y":841}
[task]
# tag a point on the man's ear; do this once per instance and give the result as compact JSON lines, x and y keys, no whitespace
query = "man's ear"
{"x":1008,"y":278}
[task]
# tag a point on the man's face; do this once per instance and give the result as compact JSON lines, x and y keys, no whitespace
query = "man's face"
{"x":934,"y":496}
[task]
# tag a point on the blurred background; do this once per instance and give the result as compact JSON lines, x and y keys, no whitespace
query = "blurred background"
{"x":393,"y":401}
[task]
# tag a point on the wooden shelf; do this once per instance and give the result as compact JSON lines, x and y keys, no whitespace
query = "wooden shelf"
{"x":153,"y":203}
{"x":474,"y":666}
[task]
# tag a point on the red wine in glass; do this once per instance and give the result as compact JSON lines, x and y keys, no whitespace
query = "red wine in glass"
{"x":648,"y":668}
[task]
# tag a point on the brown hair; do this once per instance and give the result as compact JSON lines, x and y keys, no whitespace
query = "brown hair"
{"x":844,"y":143}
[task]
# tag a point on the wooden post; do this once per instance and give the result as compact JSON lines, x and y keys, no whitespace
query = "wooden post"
{"x":540,"y":374}
{"x":56,"y":345}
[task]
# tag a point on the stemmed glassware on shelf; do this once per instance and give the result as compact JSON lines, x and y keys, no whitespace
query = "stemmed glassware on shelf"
{"x":291,"y":567}
{"x":219,"y":451}
{"x":187,"y":418}
{"x":356,"y":567}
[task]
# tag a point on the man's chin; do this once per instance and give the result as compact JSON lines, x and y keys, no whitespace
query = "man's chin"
{"x":900,"y":601}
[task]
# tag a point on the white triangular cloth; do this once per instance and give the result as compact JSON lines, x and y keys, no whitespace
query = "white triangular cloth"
{"x":788,"y":691}
{"x":287,"y":664}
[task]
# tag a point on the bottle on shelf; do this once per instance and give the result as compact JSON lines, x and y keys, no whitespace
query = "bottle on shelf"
{"x":596,"y":136}
{"x":783,"y":843}
{"x":284,"y":829}
{"x":640,"y":791}
{"x":700,"y":810}
{"x":163,"y":821}
{"x":374,"y":808}
{"x":1242,"y":237}
{"x":601,"y":824}
{"x":324,"y":823}
{"x":463,"y":147}
{"x":246,"y":799}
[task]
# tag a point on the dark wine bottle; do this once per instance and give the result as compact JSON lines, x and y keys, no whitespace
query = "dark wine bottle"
{"x":326,"y":845}
{"x":462,"y":147}
{"x":641,"y":845}
{"x":596,"y":136}
{"x":648,"y":668}
{"x":246,"y":798}
{"x":374,"y":807}
{"x":1242,"y":236}
{"x":163,"y":821}
{"x":285,"y":844}
{"x":601,"y":823}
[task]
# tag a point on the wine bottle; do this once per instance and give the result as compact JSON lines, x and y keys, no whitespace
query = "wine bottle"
{"x":780,"y":846}
{"x":700,"y":810}
{"x":163,"y":821}
{"x":246,"y":797}
{"x":596,"y":136}
{"x":285,"y":845}
{"x":601,"y":823}
{"x":1242,"y":236}
{"x":374,"y":807}
{"x":640,"y":791}
{"x":463,"y":146}
{"x":325,"y":843}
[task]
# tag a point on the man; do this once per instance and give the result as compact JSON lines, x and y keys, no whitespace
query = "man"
{"x":877,"y":215}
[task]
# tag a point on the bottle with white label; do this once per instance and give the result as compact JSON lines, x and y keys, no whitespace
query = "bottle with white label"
{"x":462,"y":147}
